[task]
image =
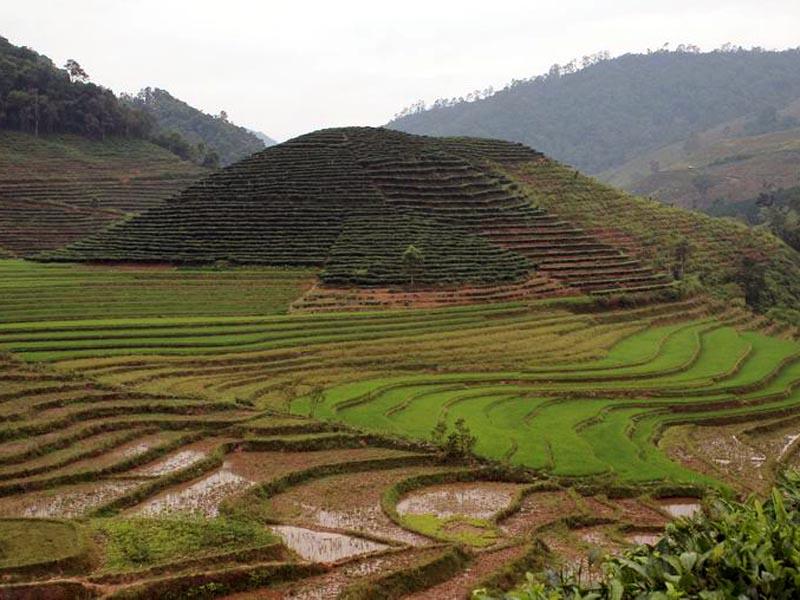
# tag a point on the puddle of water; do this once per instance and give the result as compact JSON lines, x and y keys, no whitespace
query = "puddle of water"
{"x":592,"y":537}
{"x":369,"y":519}
{"x":319,"y":546}
{"x":475,"y":501}
{"x":650,"y":539}
{"x":684,"y":508}
{"x":202,"y":497}
{"x":179,"y":460}
{"x":790,"y":439}
{"x":136,"y":450}
{"x":75,"y":503}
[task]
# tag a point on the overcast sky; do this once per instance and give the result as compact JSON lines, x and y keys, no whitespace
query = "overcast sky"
{"x":294,"y":66}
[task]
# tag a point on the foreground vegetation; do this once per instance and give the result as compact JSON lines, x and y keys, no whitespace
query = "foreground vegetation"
{"x":734,"y":551}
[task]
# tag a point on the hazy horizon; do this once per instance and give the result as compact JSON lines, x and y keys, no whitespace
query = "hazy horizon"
{"x":286,"y":70}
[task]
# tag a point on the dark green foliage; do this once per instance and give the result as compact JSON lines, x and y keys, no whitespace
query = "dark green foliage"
{"x":205,"y":136}
{"x":737,"y":551}
{"x":38,"y":97}
{"x":372,"y":251}
{"x":780,"y":211}
{"x":777,"y":210}
{"x":352,"y":200}
{"x":605,"y":114}
{"x":460,"y":443}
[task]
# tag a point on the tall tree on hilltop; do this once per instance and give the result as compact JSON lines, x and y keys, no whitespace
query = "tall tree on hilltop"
{"x":76,"y":72}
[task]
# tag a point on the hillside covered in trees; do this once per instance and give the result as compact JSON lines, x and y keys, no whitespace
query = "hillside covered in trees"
{"x":38,"y":97}
{"x":212,"y":135}
{"x":599,"y":113}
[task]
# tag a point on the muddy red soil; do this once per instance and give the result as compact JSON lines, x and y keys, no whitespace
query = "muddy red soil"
{"x":538,"y":509}
{"x":329,"y":585}
{"x":348,"y":502}
{"x":240,"y":471}
{"x":483,"y":565}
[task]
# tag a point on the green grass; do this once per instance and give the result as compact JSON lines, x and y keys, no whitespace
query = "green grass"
{"x":26,"y":542}
{"x":137,"y":543}
{"x":34,"y":293}
{"x":577,"y":421}
{"x":540,"y":385}
{"x":478,"y":533}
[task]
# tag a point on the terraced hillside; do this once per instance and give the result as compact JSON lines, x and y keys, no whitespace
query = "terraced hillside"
{"x":352,"y":200}
{"x":55,"y":190}
{"x":494,"y":221}
{"x":184,"y":434}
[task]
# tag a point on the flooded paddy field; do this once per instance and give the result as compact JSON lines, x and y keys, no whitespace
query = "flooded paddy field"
{"x":219,"y":473}
{"x":349,"y":502}
{"x":65,"y":502}
{"x":324,"y":546}
{"x":478,"y":500}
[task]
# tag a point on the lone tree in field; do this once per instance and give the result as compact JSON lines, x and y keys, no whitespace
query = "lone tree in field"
{"x":461,"y":442}
{"x":439,"y":432}
{"x":315,"y":398}
{"x":682,"y":250}
{"x":412,"y":261}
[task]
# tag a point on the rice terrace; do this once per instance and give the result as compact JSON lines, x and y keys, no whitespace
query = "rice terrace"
{"x":367,"y":364}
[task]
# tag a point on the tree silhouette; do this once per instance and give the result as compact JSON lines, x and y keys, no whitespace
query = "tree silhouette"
{"x":76,"y":72}
{"x":412,"y":261}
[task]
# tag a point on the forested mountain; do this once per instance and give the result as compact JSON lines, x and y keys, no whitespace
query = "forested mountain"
{"x":37,"y":97}
{"x":601,"y":113}
{"x":213,"y":134}
{"x":268,"y":141}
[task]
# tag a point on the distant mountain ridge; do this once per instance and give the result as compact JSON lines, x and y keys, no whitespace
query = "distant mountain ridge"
{"x":268,"y":141}
{"x":230,"y":142}
{"x":599,"y":117}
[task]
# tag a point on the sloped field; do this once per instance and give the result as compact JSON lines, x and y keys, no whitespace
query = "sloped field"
{"x":58,"y":189}
{"x":151,"y":451}
{"x":353,"y":199}
{"x":649,"y":231}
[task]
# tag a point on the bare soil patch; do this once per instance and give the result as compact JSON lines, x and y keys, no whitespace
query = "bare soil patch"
{"x":539,"y":509}
{"x":635,"y":512}
{"x":349,"y":501}
{"x":332,"y":583}
{"x":482,"y":566}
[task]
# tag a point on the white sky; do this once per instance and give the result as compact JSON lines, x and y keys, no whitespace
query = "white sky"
{"x":293,"y":66}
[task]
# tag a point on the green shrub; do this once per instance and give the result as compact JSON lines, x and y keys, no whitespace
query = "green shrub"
{"x":738,"y":550}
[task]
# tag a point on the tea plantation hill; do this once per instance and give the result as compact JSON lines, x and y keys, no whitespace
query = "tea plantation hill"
{"x":352,"y":200}
{"x":56,"y":189}
{"x":484,"y":213}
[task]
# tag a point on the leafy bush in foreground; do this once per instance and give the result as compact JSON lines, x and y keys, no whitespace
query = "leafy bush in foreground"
{"x":739,"y":551}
